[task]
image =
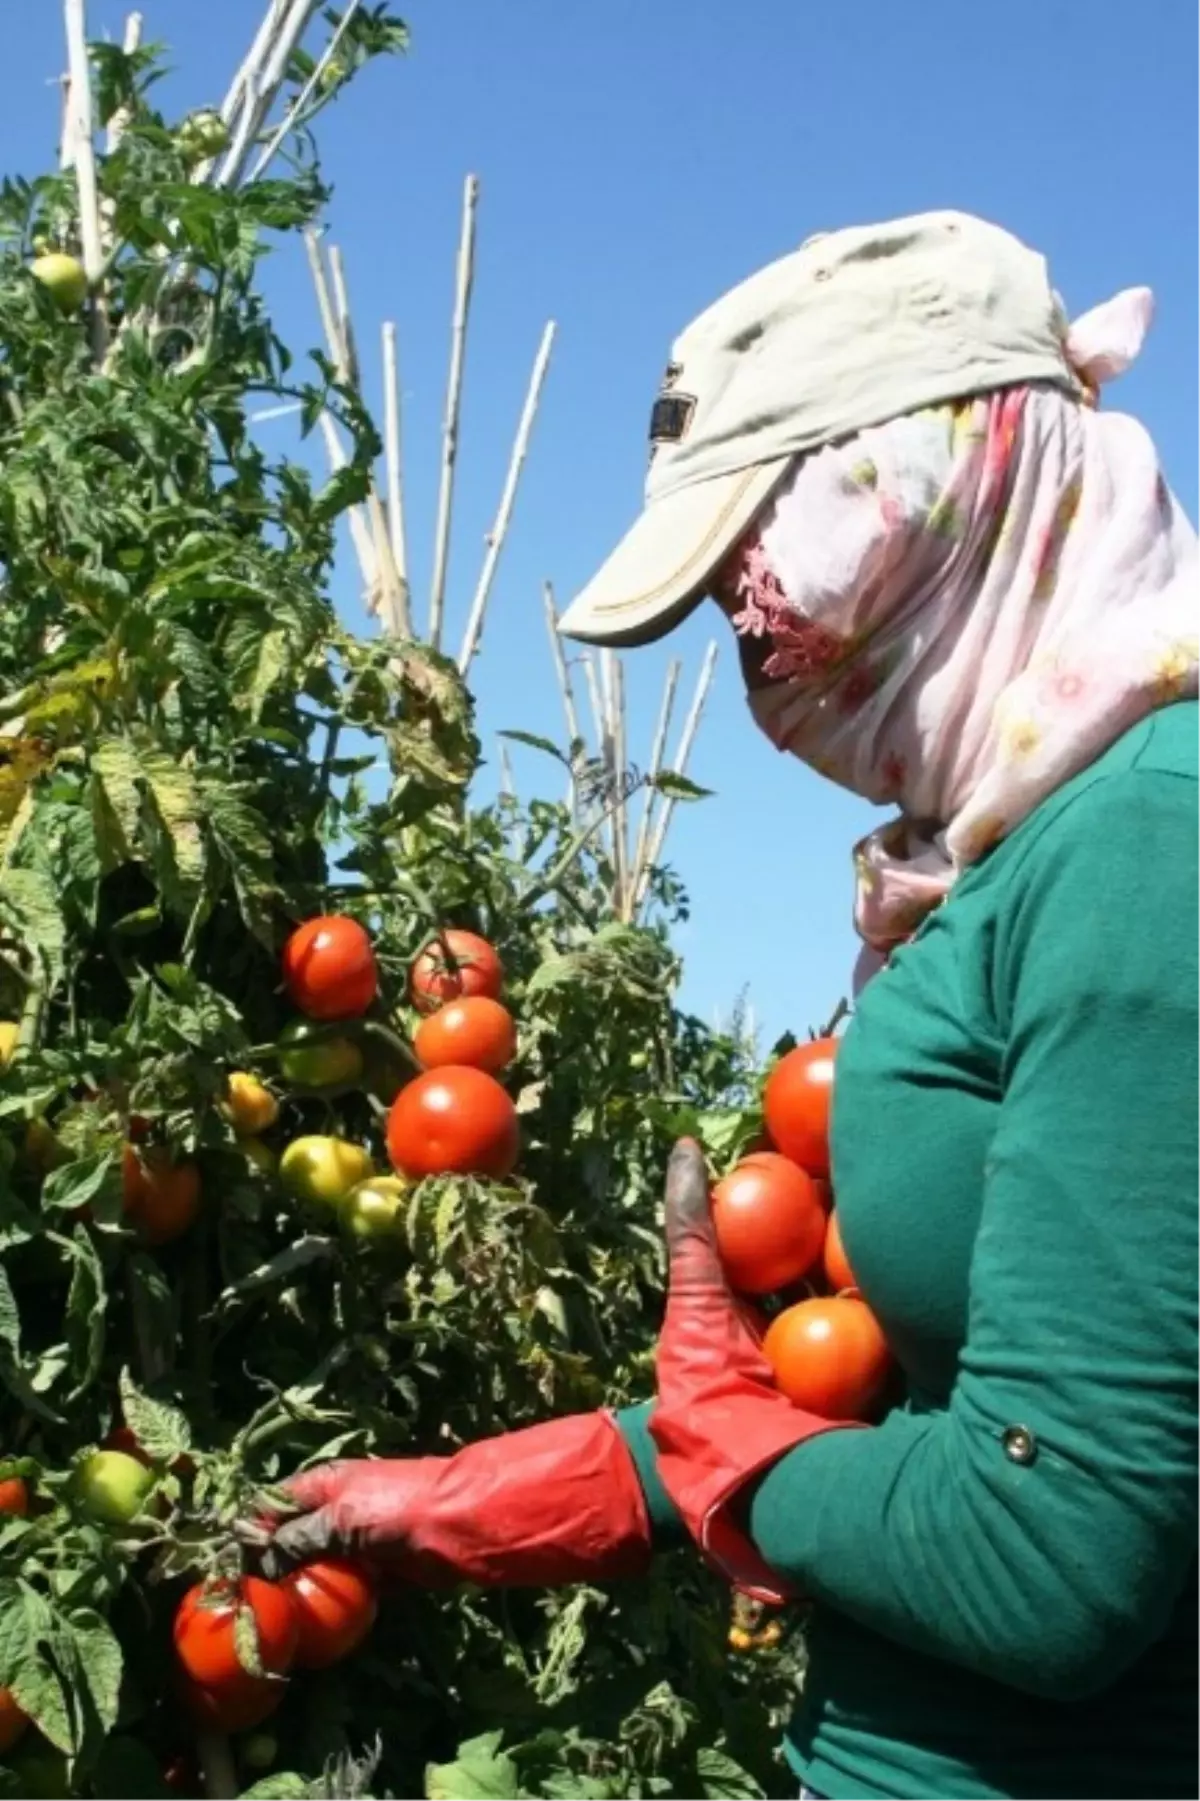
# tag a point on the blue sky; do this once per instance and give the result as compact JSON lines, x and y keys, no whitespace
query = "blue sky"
{"x":636,"y":160}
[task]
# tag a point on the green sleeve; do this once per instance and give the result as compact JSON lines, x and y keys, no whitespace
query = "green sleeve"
{"x":1052,"y":1575}
{"x":667,"y":1528}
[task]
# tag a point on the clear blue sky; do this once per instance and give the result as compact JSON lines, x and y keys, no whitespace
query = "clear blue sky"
{"x":636,"y":160}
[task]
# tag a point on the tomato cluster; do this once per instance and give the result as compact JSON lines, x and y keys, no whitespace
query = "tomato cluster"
{"x":309,"y":1620}
{"x":776,"y":1228}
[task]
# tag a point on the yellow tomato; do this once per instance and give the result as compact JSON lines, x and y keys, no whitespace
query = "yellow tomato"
{"x":323,"y":1170}
{"x":10,"y":1033}
{"x":249,"y":1105}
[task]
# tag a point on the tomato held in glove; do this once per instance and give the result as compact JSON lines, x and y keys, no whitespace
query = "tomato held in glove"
{"x":329,"y":968}
{"x":205,"y":1631}
{"x":769,"y":1223}
{"x":311,"y":1060}
{"x":838,"y":1273}
{"x":13,"y":1721}
{"x":453,"y":1122}
{"x":162,"y":1197}
{"x":476,"y":1032}
{"x":335,"y":1606}
{"x":829,"y":1356}
{"x":796,"y":1104}
{"x":470,"y":967}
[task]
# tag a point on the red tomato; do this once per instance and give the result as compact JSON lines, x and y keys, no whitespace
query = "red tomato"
{"x":204,"y":1627}
{"x":13,"y":1721}
{"x":477,"y":1031}
{"x":453,"y":1122}
{"x":769,"y":1223}
{"x":235,"y":1706}
{"x":14,"y":1495}
{"x":829,"y":1356}
{"x":335,"y":1606}
{"x":162,"y":1198}
{"x":838,"y":1273}
{"x":471,"y":968}
{"x":796,"y":1104}
{"x":329,"y":968}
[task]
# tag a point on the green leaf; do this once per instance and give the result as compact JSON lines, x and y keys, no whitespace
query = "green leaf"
{"x":80,"y":1182}
{"x":676,"y":786}
{"x":10,"y":1317}
{"x":721,"y":1779}
{"x":480,"y":1772}
{"x":162,"y":1430}
{"x":99,"y":1668}
{"x":87,"y":1302}
{"x":282,"y":1787}
{"x":30,"y":901}
{"x":535,"y":743}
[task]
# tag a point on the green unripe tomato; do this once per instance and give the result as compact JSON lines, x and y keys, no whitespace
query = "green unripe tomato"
{"x":323,"y":1170}
{"x":310,"y":1061}
{"x":375,"y":1209}
{"x":63,"y":278}
{"x":112,"y":1487}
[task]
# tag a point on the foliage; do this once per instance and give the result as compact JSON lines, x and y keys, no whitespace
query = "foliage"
{"x":194,"y":754}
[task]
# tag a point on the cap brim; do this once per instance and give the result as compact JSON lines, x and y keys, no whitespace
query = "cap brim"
{"x":663,"y":567}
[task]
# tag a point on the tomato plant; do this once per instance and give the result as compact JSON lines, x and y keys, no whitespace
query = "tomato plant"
{"x":829,"y":1356}
{"x":453,"y":1122}
{"x":329,"y":968}
{"x":454,"y":966}
{"x":796,"y":1103}
{"x":199,"y":754}
{"x":335,"y":1606}
{"x":769,"y":1222}
{"x":477,"y":1031}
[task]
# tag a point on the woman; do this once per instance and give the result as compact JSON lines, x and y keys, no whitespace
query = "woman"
{"x":962,"y":589}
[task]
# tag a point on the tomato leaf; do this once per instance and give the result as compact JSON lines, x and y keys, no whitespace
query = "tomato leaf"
{"x":162,"y":1430}
{"x":721,"y":1779}
{"x":80,"y":1182}
{"x":480,"y":1772}
{"x":87,"y":1302}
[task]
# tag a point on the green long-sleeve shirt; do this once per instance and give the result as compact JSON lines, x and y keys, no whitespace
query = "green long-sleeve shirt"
{"x":1005,"y":1569}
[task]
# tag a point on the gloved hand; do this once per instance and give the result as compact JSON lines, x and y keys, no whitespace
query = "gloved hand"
{"x":554,"y":1503}
{"x":720,"y":1421}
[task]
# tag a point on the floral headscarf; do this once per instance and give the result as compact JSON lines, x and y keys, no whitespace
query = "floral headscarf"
{"x":957,"y":611}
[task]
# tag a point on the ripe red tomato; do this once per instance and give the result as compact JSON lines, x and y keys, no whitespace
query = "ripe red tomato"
{"x":838,"y":1273}
{"x":13,"y":1721}
{"x":162,"y":1198}
{"x":204,"y":1631}
{"x":769,"y":1223}
{"x":235,"y":1706}
{"x":796,"y":1104}
{"x":335,"y":1606}
{"x":471,"y":968}
{"x":829,"y":1356}
{"x":477,"y":1031}
{"x":453,"y":1122}
{"x":329,"y":968}
{"x":14,"y":1495}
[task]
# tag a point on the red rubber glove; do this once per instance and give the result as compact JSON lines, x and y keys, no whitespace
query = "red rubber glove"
{"x":720,"y":1421}
{"x":555,"y":1503}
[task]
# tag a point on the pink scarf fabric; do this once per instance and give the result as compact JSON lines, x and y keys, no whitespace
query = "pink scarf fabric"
{"x":960,"y":609}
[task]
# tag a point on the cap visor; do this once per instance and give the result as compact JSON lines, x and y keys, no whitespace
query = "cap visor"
{"x":663,"y":567}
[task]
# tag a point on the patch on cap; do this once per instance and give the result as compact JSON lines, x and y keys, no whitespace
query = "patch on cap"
{"x":671,"y":413}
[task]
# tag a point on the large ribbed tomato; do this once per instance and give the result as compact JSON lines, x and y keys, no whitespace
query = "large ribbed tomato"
{"x":829,"y":1356}
{"x":796,"y":1104}
{"x":205,"y":1627}
{"x":769,"y":1222}
{"x":329,"y":968}
{"x":452,"y":965}
{"x":453,"y":1122}
{"x":335,"y":1606}
{"x":476,"y":1030}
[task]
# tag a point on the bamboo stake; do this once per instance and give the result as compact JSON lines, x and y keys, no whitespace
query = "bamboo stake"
{"x":296,"y":109}
{"x":499,"y":531}
{"x":251,"y":66}
{"x":345,"y":330}
{"x":119,"y":122}
{"x":359,"y":530}
{"x":262,"y":85}
{"x":391,"y":451}
{"x":574,"y":735}
{"x":679,"y":767}
{"x":613,"y":679}
{"x":464,"y":277}
{"x":66,"y":149}
{"x":84,"y":157}
{"x":657,"y":747}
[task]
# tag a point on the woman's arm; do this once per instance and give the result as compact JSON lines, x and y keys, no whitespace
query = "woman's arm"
{"x":1052,"y":1564}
